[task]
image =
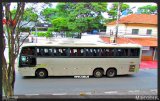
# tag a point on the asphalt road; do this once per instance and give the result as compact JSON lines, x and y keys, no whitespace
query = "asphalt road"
{"x":142,"y":83}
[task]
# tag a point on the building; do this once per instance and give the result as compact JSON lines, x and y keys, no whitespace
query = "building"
{"x":135,"y":24}
{"x":136,"y":28}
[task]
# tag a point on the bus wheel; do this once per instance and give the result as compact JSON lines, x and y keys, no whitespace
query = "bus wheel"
{"x":111,"y":72}
{"x":98,"y":73}
{"x":41,"y":73}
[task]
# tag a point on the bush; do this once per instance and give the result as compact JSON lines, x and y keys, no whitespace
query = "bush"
{"x":48,"y":34}
{"x":40,"y":34}
{"x":25,"y":29}
{"x":34,"y":33}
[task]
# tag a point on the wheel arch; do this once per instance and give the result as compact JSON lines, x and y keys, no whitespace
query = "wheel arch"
{"x":100,"y":68}
{"x":111,"y":68}
{"x":40,"y":69}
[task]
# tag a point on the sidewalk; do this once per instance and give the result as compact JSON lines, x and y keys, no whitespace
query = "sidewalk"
{"x":149,"y":64}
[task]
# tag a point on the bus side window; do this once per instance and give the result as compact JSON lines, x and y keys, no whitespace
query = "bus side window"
{"x":82,"y":52}
{"x":102,"y":52}
{"x":136,"y":52}
{"x":90,"y":52}
{"x":46,"y":52}
{"x":41,"y":52}
{"x":78,"y":52}
{"x":64,"y":51}
{"x":54,"y":52}
{"x":125,"y":52}
{"x":94,"y":52}
{"x":133,"y":52}
{"x":50,"y":51}
{"x":119,"y":52}
{"x":87,"y":52}
{"x":71,"y":52}
{"x":57,"y":53}
{"x":110,"y":52}
{"x":38,"y":52}
{"x":75,"y":52}
{"x":107,"y":52}
{"x":97,"y":52}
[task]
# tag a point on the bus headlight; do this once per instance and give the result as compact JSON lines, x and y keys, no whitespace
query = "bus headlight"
{"x":132,"y":68}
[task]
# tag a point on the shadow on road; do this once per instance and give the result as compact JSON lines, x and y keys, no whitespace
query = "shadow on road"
{"x":72,"y":77}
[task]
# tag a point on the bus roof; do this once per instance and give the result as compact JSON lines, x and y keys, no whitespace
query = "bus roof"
{"x":81,"y":44}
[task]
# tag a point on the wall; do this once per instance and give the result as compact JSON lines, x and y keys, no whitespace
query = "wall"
{"x":126,"y":29}
{"x":121,"y":29}
{"x":142,"y":29}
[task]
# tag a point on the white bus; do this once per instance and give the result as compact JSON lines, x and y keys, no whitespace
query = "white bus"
{"x":73,"y":59}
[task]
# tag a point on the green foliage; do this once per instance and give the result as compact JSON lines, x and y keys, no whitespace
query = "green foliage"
{"x":148,"y":9}
{"x":48,"y":34}
{"x":29,"y":15}
{"x":40,"y":34}
{"x":25,"y":29}
{"x":49,"y":13}
{"x":59,"y":24}
{"x":34,"y":33}
{"x":112,"y":11}
{"x":75,"y":17}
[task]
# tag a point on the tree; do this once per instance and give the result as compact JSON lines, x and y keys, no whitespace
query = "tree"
{"x":76,"y":17}
{"x":49,"y":14}
{"x":60,"y":24}
{"x":112,"y":11}
{"x":11,"y":34}
{"x":29,"y":14}
{"x":86,"y":16}
{"x":9,"y":27}
{"x":148,"y":9}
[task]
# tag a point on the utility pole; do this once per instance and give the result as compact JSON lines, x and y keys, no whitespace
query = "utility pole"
{"x":117,"y":22}
{"x":36,"y":31}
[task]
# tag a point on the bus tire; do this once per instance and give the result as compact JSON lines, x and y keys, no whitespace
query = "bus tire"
{"x":111,"y":72}
{"x":41,"y":73}
{"x":98,"y":73}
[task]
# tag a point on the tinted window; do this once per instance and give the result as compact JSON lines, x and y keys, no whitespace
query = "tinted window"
{"x":121,"y":52}
{"x":76,"y":52}
{"x":134,"y":52}
{"x":44,"y":51}
{"x":28,"y":51}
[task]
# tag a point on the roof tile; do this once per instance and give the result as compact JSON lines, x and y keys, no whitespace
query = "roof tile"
{"x":137,"y":18}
